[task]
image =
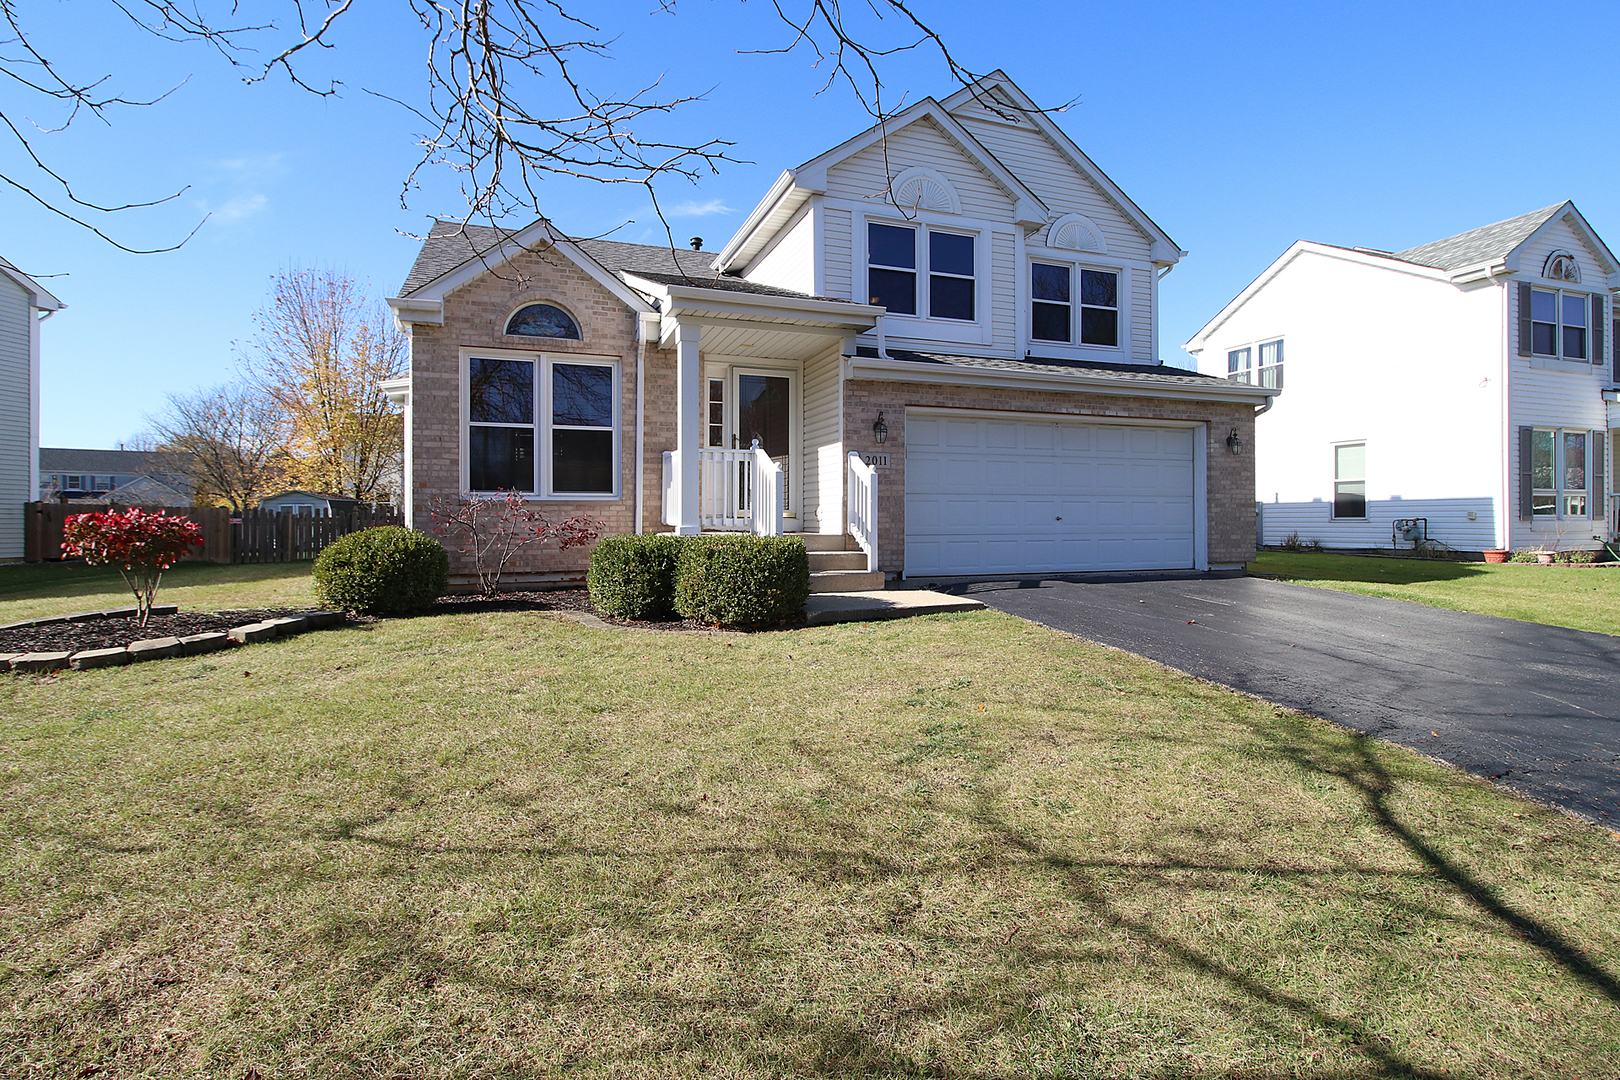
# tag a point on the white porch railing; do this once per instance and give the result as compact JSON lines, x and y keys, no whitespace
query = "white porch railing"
{"x":862,"y":515}
{"x":731,"y":483}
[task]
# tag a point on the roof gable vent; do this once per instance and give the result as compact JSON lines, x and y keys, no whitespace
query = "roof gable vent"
{"x":1561,"y":266}
{"x":1076,"y":232}
{"x":923,"y":189}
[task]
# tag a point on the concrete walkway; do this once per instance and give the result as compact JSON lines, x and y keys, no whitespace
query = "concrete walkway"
{"x":823,"y":608}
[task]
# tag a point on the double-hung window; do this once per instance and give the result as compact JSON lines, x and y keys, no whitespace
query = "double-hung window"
{"x":1271,"y":364}
{"x":1562,"y":324}
{"x":1054,"y":312}
{"x":1240,"y":365}
{"x":1241,"y":368}
{"x":892,"y":269}
{"x":544,"y":425}
{"x":1350,"y":480}
{"x":1558,"y":470}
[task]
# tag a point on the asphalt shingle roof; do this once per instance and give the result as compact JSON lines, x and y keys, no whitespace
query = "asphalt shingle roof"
{"x":1134,"y":373}
{"x":112,"y":462}
{"x":1479,"y":245}
{"x":449,"y":244}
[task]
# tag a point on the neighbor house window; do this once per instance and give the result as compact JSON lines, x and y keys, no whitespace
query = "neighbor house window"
{"x":1558,"y":323}
{"x":543,"y":320}
{"x":891,"y":267}
{"x":1054,"y":312}
{"x":1558,"y":470}
{"x":1350,"y":480}
{"x":565,"y":409}
{"x":1239,"y":365}
{"x":1271,"y":364}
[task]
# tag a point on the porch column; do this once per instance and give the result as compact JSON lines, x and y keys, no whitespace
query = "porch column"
{"x":688,"y":427}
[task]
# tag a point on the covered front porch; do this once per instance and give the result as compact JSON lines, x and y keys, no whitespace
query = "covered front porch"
{"x":759,"y":443}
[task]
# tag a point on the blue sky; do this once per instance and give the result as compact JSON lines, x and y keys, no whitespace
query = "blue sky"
{"x":1239,"y":127}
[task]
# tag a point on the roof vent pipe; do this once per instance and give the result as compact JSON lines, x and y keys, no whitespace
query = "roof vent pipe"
{"x":697,"y":243}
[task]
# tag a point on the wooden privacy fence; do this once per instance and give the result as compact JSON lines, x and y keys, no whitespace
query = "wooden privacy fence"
{"x":254,"y":536}
{"x":261,"y":536}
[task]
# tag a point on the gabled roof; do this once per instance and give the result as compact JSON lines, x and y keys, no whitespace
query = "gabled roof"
{"x":37,"y":296}
{"x":997,"y":80}
{"x":1488,"y":243}
{"x":111,"y":462}
{"x":450,"y":246}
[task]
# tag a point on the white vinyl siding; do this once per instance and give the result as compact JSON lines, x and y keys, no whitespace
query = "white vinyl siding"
{"x":1141,"y":347}
{"x":1048,"y":173}
{"x":790,"y":262}
{"x":16,"y":445}
{"x":838,"y":253}
{"x":1447,"y":518}
{"x":865,"y":176}
{"x":1004,"y":291}
{"x":822,"y":454}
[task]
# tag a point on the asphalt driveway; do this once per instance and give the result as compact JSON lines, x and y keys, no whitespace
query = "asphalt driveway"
{"x":1536,"y":708}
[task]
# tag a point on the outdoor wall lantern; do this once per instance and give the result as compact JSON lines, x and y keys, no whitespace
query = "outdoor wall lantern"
{"x":1234,"y":443}
{"x":880,"y":430}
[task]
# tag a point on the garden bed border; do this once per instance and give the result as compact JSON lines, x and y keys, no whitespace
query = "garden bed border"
{"x":158,"y":648}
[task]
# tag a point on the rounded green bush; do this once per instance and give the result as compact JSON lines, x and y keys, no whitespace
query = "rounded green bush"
{"x":389,"y":570}
{"x":741,"y":580}
{"x":633,"y":577}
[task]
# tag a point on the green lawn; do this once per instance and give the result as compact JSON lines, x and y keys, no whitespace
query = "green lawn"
{"x":31,"y":590}
{"x":1584,"y":599}
{"x":503,"y":845}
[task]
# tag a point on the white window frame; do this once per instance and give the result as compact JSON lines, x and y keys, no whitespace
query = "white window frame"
{"x":1561,"y":495}
{"x":922,"y":326}
{"x":1240,"y":364}
{"x":1557,"y":288}
{"x":1333,"y":511}
{"x":544,"y":362}
{"x":1076,"y":262}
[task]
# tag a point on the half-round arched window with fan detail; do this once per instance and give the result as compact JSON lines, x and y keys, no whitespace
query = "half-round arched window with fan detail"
{"x":542,"y":320}
{"x":1561,"y":266}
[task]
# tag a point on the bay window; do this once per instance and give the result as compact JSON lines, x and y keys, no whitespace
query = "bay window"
{"x":545,"y":426}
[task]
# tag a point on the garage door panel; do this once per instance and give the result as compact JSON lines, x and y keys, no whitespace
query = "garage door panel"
{"x":1008,"y":496}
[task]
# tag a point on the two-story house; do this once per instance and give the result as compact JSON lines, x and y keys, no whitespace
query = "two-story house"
{"x":934,"y":344}
{"x":1467,"y":382}
{"x":23,"y":305}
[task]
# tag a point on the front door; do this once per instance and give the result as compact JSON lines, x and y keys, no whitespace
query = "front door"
{"x":750,"y":403}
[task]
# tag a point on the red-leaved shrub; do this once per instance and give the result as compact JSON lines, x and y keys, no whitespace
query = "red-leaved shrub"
{"x":141,"y":544}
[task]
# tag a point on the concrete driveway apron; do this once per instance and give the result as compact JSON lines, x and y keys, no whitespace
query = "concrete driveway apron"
{"x":1535,"y":708}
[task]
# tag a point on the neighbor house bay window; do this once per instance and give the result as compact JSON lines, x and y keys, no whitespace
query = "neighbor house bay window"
{"x":564,"y":408}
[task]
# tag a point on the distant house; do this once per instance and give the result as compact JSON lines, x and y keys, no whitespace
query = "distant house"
{"x":147,"y":491}
{"x":97,"y":474}
{"x":309,"y":502}
{"x":1470,"y":382}
{"x":23,"y":306}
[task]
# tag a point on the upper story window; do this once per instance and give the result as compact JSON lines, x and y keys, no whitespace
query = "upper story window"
{"x":892,"y":268}
{"x":1271,"y":364}
{"x":543,"y":320}
{"x":1558,"y":324}
{"x":1054,"y":310}
{"x":1240,"y":365}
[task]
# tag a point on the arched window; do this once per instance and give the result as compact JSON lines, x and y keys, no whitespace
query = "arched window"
{"x":1561,"y":266}
{"x":542,"y":320}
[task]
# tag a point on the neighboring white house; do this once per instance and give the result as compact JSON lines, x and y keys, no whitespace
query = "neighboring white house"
{"x":23,"y":306}
{"x":940,"y":334}
{"x":308,"y":502}
{"x":1469,"y":382}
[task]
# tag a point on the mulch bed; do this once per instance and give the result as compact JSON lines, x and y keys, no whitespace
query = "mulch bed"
{"x":117,"y":633}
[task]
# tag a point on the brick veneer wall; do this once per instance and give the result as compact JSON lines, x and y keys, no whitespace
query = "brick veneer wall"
{"x":1230,"y":480}
{"x":475,"y":317}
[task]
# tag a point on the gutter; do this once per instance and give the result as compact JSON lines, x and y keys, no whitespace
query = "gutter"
{"x":865,"y":367}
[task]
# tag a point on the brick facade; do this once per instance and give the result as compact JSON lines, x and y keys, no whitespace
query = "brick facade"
{"x":475,"y":317}
{"x":1230,"y":479}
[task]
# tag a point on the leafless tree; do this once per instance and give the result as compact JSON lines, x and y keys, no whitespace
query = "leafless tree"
{"x":229,"y":439}
{"x":321,"y":354}
{"x":506,"y":104}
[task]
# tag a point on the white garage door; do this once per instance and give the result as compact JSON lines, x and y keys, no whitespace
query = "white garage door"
{"x":991,"y":496}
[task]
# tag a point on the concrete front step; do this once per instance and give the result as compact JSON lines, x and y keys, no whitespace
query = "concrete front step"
{"x":826,"y":541}
{"x":891,"y":604}
{"x":842,"y":581}
{"x":837,"y":560}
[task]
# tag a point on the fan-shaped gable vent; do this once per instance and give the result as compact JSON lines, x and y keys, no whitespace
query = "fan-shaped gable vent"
{"x":1561,"y":266}
{"x":924,"y":189}
{"x":1076,"y":232}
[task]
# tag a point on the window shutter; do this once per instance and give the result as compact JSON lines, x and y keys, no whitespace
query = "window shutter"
{"x":1597,"y":329}
{"x":1524,"y":318}
{"x":1598,"y":503}
{"x":1525,"y":491}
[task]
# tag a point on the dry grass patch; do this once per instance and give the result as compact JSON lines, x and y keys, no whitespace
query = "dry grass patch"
{"x":507,"y":845}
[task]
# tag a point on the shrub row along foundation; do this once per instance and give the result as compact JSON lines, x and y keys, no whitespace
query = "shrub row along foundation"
{"x":159,"y":648}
